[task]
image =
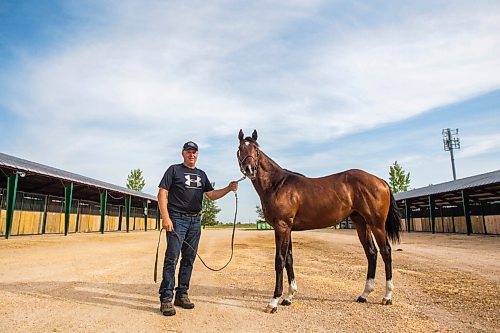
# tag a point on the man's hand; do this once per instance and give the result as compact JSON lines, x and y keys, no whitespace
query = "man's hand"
{"x":233,"y":186}
{"x":167,"y":224}
{"x":217,"y":194}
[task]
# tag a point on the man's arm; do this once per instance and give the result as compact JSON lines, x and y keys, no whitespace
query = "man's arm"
{"x":162,"y":203}
{"x":217,"y":194}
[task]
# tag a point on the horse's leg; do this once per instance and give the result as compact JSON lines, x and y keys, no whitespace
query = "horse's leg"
{"x":366,"y":239}
{"x":282,"y":238}
{"x":385,"y":251}
{"x":292,"y":285}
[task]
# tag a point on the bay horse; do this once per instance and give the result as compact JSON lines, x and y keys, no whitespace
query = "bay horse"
{"x":292,"y":202}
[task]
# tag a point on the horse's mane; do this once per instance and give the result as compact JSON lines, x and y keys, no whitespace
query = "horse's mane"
{"x":286,"y":170}
{"x":293,"y":172}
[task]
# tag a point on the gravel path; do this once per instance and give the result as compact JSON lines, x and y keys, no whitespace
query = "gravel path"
{"x":103,"y":283}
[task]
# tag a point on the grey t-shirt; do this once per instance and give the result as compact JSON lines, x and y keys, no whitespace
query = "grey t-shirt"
{"x":185,"y":188}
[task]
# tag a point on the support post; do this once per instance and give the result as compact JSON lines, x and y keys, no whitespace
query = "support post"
{"x":120,"y":217}
{"x":157,"y":219}
{"x":482,"y":215}
{"x":128,"y":202}
{"x":146,"y":206}
{"x":44,"y":221}
{"x":12,"y":181}
{"x":465,"y":201}
{"x":432,"y":214}
{"x":442,"y":218}
{"x":77,"y":224}
{"x":407,"y":214}
{"x":104,"y":204}
{"x":68,"y":197}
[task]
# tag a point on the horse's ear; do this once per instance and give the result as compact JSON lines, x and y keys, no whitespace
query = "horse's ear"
{"x":241,"y":135}
{"x":254,"y":135}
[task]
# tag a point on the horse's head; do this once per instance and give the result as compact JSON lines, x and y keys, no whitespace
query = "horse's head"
{"x":248,"y":154}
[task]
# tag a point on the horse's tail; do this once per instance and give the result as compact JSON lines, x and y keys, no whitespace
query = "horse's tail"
{"x":393,"y":220}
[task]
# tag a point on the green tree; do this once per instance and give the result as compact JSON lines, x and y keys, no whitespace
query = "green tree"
{"x":260,"y":214}
{"x":209,"y":211}
{"x":399,"y":180}
{"x":135,"y":181}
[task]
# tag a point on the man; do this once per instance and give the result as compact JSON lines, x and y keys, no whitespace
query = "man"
{"x":180,"y":197}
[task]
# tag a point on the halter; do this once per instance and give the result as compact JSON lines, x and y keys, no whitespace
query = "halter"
{"x":241,"y":161}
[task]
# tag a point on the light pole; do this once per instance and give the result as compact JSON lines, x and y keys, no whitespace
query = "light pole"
{"x":450,"y":142}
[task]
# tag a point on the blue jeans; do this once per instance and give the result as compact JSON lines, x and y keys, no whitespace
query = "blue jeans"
{"x":187,"y":228}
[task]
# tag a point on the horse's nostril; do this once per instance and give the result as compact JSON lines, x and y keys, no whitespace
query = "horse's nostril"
{"x":248,"y":169}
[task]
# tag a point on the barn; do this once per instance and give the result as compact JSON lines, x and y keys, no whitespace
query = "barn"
{"x":468,"y":206}
{"x":40,"y":199}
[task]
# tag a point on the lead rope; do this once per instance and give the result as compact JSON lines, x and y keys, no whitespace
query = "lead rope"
{"x":189,"y":245}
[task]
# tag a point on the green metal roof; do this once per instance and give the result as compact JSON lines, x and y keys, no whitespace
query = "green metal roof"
{"x":29,"y":167}
{"x":483,"y":187}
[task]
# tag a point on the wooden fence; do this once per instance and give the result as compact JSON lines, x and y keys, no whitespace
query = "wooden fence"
{"x":37,"y":214}
{"x":489,"y":224}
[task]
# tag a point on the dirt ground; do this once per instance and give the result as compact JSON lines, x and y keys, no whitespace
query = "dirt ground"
{"x":104,"y":283}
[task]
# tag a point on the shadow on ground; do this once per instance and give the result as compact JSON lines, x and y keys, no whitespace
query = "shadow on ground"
{"x":142,"y":297}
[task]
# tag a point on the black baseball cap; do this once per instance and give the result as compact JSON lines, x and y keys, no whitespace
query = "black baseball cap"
{"x":190,"y":145}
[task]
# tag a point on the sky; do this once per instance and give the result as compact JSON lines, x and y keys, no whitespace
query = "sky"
{"x":99,"y":88}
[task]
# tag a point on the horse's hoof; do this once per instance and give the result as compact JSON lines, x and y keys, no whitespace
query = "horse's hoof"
{"x":386,"y":301}
{"x":361,"y":300}
{"x":286,"y":302}
{"x":270,"y":309}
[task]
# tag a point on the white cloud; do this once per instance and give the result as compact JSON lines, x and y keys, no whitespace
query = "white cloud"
{"x":138,"y":80}
{"x":479,"y":144}
{"x":397,"y":71}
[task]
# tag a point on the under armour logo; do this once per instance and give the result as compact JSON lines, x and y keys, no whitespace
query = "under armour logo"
{"x":192,"y":180}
